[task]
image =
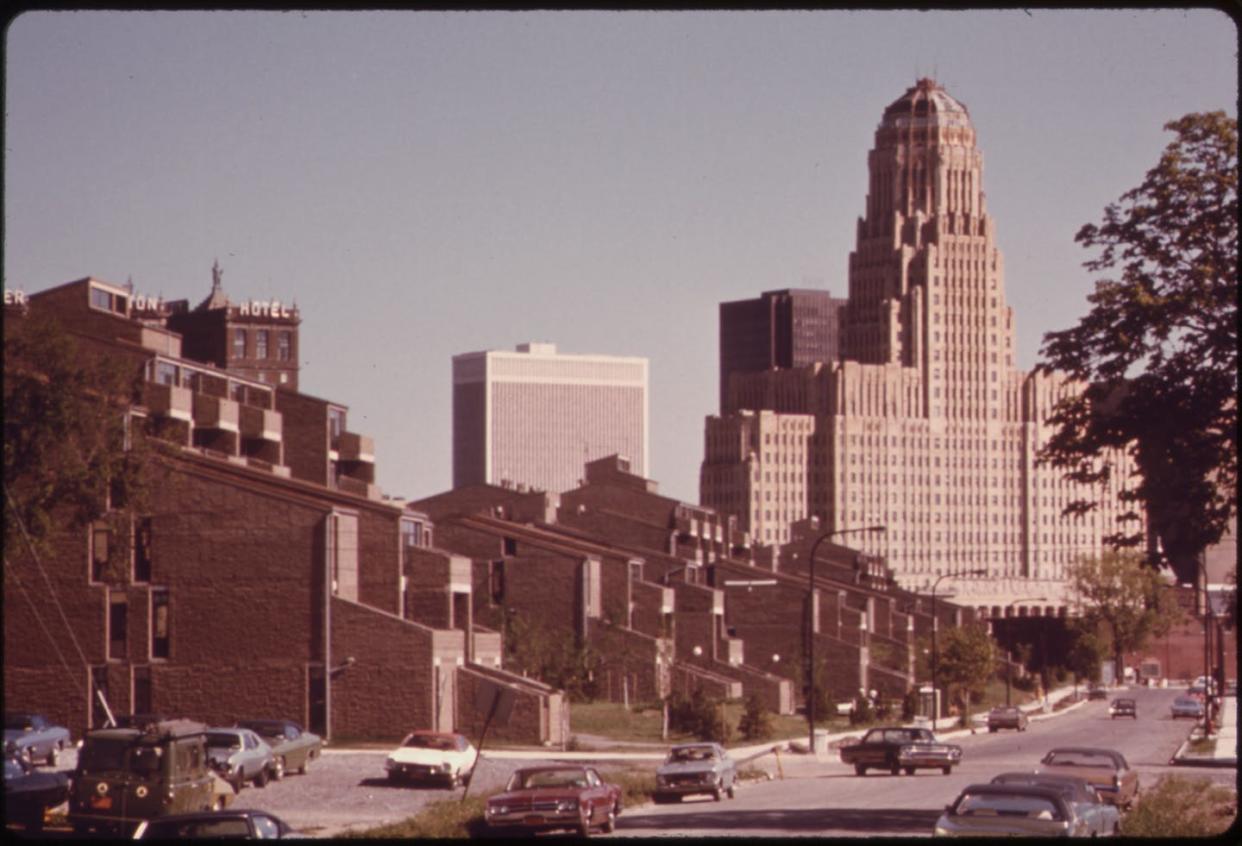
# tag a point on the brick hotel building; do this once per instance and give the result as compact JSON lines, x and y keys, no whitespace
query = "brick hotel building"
{"x":534,"y":417}
{"x":924,"y":425}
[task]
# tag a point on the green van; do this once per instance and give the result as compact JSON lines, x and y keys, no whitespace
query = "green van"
{"x":127,"y":775}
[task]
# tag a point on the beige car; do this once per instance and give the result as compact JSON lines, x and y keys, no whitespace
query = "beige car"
{"x":1105,"y":769}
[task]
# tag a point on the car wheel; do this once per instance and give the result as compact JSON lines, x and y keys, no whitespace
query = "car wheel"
{"x":610,"y":824}
{"x":53,"y":756}
{"x":909,"y":770}
{"x":302,"y":767}
{"x":859,"y":769}
{"x":947,"y":769}
{"x":733,"y":790}
{"x":584,"y":825}
{"x":991,"y":729}
{"x":454,"y":781}
{"x":717,"y":793}
{"x":260,"y":778}
{"x":278,"y":768}
{"x":894,"y":768}
{"x":394,"y":777}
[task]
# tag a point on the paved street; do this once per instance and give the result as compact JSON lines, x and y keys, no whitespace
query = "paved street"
{"x":347,"y":789}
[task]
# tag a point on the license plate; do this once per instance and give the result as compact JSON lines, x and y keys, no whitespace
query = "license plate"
{"x":534,"y":820}
{"x":101,"y":802}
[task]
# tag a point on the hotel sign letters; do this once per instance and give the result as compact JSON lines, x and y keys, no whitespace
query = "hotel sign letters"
{"x":14,"y":297}
{"x":263,"y":308}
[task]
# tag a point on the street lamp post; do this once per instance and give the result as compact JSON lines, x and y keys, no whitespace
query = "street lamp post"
{"x":810,"y":627}
{"x":935,"y":647}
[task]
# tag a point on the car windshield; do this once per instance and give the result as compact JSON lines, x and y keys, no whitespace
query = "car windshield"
{"x":693,"y":753}
{"x":223,"y":741}
{"x":1007,"y":805}
{"x":548,"y":778}
{"x":431,"y":741}
{"x":100,"y":755}
{"x":1081,"y":759}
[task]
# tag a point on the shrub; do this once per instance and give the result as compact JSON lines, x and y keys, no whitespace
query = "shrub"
{"x":756,"y":722}
{"x":700,"y":716}
{"x":1181,"y":807}
{"x":862,"y":711}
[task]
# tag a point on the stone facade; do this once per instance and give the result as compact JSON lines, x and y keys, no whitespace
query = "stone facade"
{"x":925,"y":425}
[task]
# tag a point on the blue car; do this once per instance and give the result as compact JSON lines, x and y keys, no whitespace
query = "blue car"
{"x":33,"y":737}
{"x":1187,"y":706}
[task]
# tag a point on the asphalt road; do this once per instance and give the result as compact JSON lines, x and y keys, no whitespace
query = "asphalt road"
{"x":347,"y":789}
{"x":827,"y":799}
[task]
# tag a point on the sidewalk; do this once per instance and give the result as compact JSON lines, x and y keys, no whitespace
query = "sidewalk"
{"x":1224,"y":753}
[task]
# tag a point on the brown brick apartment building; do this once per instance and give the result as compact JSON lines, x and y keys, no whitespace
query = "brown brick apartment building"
{"x":262,"y":576}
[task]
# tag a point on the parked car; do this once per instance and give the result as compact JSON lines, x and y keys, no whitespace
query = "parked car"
{"x":241,"y":824}
{"x":696,"y":768}
{"x":29,"y":793}
{"x":293,"y":747}
{"x":125,"y":776}
{"x":1007,"y":717}
{"x":34,"y":737}
{"x":1097,"y":692}
{"x":1105,"y":769}
{"x":1123,"y":708}
{"x":433,"y":756}
{"x":239,"y":755}
{"x":1187,"y":706}
{"x":1101,"y":818}
{"x":555,"y":797}
{"x":896,"y":748}
{"x":995,"y":810}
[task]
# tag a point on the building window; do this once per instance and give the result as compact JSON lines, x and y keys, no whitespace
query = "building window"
{"x":239,"y":343}
{"x":159,"y":623}
{"x":510,"y":546}
{"x":166,"y":373}
{"x":101,"y":537}
{"x":260,"y":343}
{"x":284,"y":349}
{"x":106,"y":301}
{"x":142,"y":550}
{"x":118,"y":626}
{"x":496,"y":582}
{"x":336,"y":423}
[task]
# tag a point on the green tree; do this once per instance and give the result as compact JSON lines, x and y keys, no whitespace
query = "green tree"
{"x":756,"y":721}
{"x":69,"y":454}
{"x":967,"y":660}
{"x":1158,"y":349}
{"x":1086,"y":654}
{"x":1129,"y":599}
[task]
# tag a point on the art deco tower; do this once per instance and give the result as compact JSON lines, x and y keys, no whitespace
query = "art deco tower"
{"x":924,"y":425}
{"x":926,"y":280}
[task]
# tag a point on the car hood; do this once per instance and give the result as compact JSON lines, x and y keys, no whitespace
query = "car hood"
{"x":537,"y":794}
{"x":426,"y":757}
{"x":687,"y":767}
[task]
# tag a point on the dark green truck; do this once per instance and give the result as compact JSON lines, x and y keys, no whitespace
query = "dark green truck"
{"x":127,"y":775}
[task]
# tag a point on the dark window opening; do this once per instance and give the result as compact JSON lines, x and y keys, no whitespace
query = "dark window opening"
{"x":159,"y":624}
{"x":118,"y":626}
{"x":142,"y":550}
{"x":496,"y":587}
{"x":100,"y":541}
{"x":510,"y":546}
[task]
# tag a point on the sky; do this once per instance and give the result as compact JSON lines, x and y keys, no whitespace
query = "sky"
{"x":424,"y":184}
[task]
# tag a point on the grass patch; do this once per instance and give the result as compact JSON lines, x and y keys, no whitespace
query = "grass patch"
{"x":1179,"y":807}
{"x":1202,"y":746}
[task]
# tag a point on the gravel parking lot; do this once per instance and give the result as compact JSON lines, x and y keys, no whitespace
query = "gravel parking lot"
{"x":348,"y":789}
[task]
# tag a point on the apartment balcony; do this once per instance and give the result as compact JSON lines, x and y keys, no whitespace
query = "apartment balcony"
{"x":261,"y":423}
{"x":351,"y":446}
{"x":358,"y":487}
{"x":215,"y":413}
{"x":168,"y":401}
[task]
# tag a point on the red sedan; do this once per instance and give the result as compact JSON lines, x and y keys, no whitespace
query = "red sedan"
{"x":566,"y":796}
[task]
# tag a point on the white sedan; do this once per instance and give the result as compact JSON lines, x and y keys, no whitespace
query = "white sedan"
{"x":433,"y":756}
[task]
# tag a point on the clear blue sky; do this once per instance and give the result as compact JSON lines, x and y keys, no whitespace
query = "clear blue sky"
{"x":427,"y":184}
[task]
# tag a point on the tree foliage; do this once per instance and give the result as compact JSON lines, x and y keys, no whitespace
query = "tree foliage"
{"x":1158,"y":348}
{"x":1129,"y":599}
{"x":65,"y":431}
{"x":756,"y":721}
{"x":967,"y":659}
{"x":1086,"y":654}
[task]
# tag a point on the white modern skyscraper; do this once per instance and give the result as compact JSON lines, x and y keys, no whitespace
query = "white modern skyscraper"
{"x":534,"y":416}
